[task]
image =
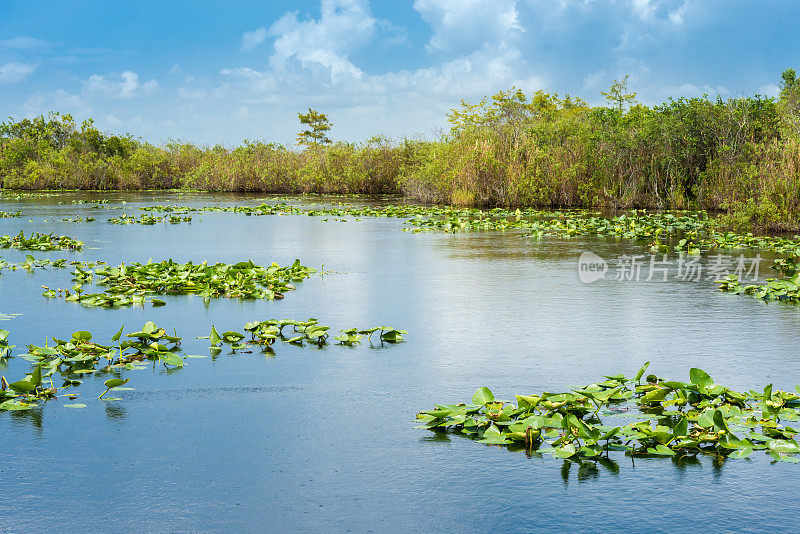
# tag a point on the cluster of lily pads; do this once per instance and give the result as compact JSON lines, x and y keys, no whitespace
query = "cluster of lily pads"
{"x":266,"y":333}
{"x":32,"y":263}
{"x":659,"y":418}
{"x":7,"y":214}
{"x":127,"y":285}
{"x":73,"y":359}
{"x":693,"y":231}
{"x":786,"y":290}
{"x":40,"y":242}
{"x":148,"y":220}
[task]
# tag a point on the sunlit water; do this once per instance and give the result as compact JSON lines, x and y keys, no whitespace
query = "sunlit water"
{"x":324,"y":439}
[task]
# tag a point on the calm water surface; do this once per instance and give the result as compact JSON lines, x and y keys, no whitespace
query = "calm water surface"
{"x":324,"y":439}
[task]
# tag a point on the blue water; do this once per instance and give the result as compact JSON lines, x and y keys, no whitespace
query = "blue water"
{"x":324,"y":439}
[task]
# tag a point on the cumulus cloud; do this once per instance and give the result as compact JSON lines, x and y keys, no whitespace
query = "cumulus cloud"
{"x":15,"y":72}
{"x":250,"y":40}
{"x":124,"y":85}
{"x":343,"y":26}
{"x":310,"y":64}
{"x":460,"y":24}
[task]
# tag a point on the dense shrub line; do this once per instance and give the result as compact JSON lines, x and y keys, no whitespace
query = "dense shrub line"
{"x":740,"y":155}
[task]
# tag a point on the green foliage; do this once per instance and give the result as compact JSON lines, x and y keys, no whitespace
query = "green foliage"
{"x":740,"y":155}
{"x":662,"y":418}
{"x":318,"y":124}
{"x":618,"y":94}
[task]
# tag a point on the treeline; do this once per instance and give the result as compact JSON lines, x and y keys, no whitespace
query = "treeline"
{"x":740,"y":155}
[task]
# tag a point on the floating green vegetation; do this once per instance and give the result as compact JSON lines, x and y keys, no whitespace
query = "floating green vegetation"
{"x":266,"y":333}
{"x":5,"y":348}
{"x":73,"y":359}
{"x":149,"y":220}
{"x":353,"y":336}
{"x":128,"y":284}
{"x":32,"y":263}
{"x":667,"y":418}
{"x":391,"y":211}
{"x":680,"y":231}
{"x":6,"y":214}
{"x":40,"y":242}
{"x":79,"y":219}
{"x":788,"y":266}
{"x":786,"y":290}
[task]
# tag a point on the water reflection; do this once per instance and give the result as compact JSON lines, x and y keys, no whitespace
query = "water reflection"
{"x":32,"y":418}
{"x":115,"y":413}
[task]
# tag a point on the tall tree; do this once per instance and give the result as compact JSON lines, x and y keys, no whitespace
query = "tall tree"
{"x":318,"y":126}
{"x":618,"y":94}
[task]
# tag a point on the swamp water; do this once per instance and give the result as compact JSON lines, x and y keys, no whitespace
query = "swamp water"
{"x":325,"y":439}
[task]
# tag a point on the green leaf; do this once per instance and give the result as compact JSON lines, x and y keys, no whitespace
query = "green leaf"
{"x":82,"y":335}
{"x":681,"y":428}
{"x":170,"y":358}
{"x":115,"y":382}
{"x":482,"y":396}
{"x":13,"y":405}
{"x":700,"y":378}
{"x":656,"y":395}
{"x":214,"y":337}
{"x":641,"y":371}
{"x":118,"y":334}
{"x":566,"y":451}
{"x":77,"y":405}
{"x":741,"y":453}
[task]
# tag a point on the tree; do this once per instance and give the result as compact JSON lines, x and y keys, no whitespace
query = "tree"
{"x":318,"y":124}
{"x":790,"y":101}
{"x":618,"y":94}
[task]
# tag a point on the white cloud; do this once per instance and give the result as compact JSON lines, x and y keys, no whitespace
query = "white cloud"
{"x":23,"y":43}
{"x":250,"y":40}
{"x":463,"y":23}
{"x":311,"y":66}
{"x":124,"y":85}
{"x":15,"y":72}
{"x":343,"y":26}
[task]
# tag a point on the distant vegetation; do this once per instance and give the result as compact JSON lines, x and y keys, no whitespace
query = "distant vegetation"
{"x":740,"y":155}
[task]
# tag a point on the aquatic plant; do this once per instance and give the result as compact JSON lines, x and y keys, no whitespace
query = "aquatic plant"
{"x":266,"y":333}
{"x":5,"y":348}
{"x":148,"y":220}
{"x":786,"y":290}
{"x":7,"y":214}
{"x":80,"y":355}
{"x":23,"y":394}
{"x":40,"y":242}
{"x":666,"y":418}
{"x":128,"y":284}
{"x":32,"y":263}
{"x":388,"y":334}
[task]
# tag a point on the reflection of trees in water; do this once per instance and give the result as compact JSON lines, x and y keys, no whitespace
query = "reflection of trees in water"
{"x":115,"y":412}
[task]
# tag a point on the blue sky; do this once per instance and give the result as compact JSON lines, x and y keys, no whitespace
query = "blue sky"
{"x":219,"y":72}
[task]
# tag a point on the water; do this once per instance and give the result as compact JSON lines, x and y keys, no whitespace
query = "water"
{"x":324,"y":439}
